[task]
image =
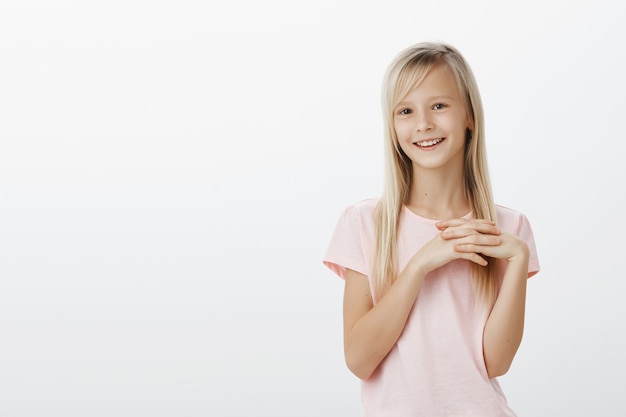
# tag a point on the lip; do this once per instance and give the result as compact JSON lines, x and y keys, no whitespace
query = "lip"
{"x":429,"y":148}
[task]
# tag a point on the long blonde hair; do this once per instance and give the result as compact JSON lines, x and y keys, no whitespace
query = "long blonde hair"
{"x":405,"y":73}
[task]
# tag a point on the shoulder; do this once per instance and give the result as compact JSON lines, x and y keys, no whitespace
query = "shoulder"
{"x":506,"y":212}
{"x":351,"y":241}
{"x":510,"y":219}
{"x":513,"y":221}
{"x":364,"y":208}
{"x":360,"y":215}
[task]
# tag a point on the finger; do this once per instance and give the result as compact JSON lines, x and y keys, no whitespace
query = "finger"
{"x":458,"y":222}
{"x":473,"y":248}
{"x":474,"y":242}
{"x":476,"y":258}
{"x":467,"y":230}
{"x":450,"y":223}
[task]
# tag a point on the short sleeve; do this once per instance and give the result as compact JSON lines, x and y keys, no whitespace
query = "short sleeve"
{"x":348,"y":247}
{"x":524,"y":231}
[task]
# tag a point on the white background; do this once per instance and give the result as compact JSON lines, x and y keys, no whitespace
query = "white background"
{"x":171,"y":173}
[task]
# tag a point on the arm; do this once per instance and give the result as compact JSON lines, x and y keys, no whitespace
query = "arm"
{"x":371,"y":331}
{"x":505,"y":325}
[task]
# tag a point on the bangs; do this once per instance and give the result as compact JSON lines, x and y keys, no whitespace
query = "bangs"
{"x":412,"y":73}
{"x":409,"y":78}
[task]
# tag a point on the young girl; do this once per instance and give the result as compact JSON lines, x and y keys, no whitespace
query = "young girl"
{"x":435,"y":273}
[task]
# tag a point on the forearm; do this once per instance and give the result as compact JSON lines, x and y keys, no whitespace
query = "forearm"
{"x":375,"y":333}
{"x":505,"y":325}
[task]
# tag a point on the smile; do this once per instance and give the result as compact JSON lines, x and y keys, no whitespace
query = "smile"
{"x":428,"y":143}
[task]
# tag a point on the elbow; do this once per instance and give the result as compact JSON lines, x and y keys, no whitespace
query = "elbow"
{"x":497,"y":368}
{"x":360,"y":371}
{"x":360,"y":368}
{"x":499,"y":356}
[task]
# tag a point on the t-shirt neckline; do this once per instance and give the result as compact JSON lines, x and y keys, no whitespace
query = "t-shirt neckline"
{"x":427,"y":220}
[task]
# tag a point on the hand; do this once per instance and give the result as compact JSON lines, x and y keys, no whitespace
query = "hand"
{"x":509,"y":248}
{"x":458,"y":233}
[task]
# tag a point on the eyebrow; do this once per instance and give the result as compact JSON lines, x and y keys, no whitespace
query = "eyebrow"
{"x":433,"y":98}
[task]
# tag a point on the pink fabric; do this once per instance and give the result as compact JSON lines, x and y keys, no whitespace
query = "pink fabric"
{"x":436,"y":368}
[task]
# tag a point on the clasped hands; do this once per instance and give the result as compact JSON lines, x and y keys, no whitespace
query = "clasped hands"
{"x":471,"y":239}
{"x":479,"y":236}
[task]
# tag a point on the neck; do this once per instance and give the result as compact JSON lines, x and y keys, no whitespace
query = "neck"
{"x":438,"y":194}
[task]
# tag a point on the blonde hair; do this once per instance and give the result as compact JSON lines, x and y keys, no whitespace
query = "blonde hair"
{"x":405,"y":73}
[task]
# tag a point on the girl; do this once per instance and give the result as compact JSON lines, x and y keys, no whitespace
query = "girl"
{"x":435,"y":273}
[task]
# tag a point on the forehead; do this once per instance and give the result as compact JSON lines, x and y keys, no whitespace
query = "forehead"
{"x":439,"y":81}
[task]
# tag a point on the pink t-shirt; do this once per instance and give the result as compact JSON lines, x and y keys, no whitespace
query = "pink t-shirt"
{"x":436,"y":368}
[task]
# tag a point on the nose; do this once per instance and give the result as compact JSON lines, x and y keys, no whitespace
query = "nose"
{"x":423,"y":122}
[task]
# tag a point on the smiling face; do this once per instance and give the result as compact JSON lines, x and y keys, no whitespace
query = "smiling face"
{"x":431,"y":122}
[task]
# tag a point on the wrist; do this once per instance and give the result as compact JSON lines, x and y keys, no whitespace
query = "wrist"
{"x":521,"y":255}
{"x":416,"y":270}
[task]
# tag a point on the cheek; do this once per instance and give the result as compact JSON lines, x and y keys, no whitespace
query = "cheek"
{"x":402,"y":131}
{"x":405,"y":140}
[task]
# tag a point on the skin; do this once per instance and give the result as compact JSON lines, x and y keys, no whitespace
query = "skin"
{"x":435,"y":110}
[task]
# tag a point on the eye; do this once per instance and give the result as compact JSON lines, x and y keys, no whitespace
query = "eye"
{"x":404,"y":112}
{"x":439,"y":106}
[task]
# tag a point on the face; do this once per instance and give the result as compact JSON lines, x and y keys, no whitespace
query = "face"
{"x":431,"y":122}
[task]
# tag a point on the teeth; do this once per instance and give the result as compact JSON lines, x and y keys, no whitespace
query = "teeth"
{"x":429,"y":142}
